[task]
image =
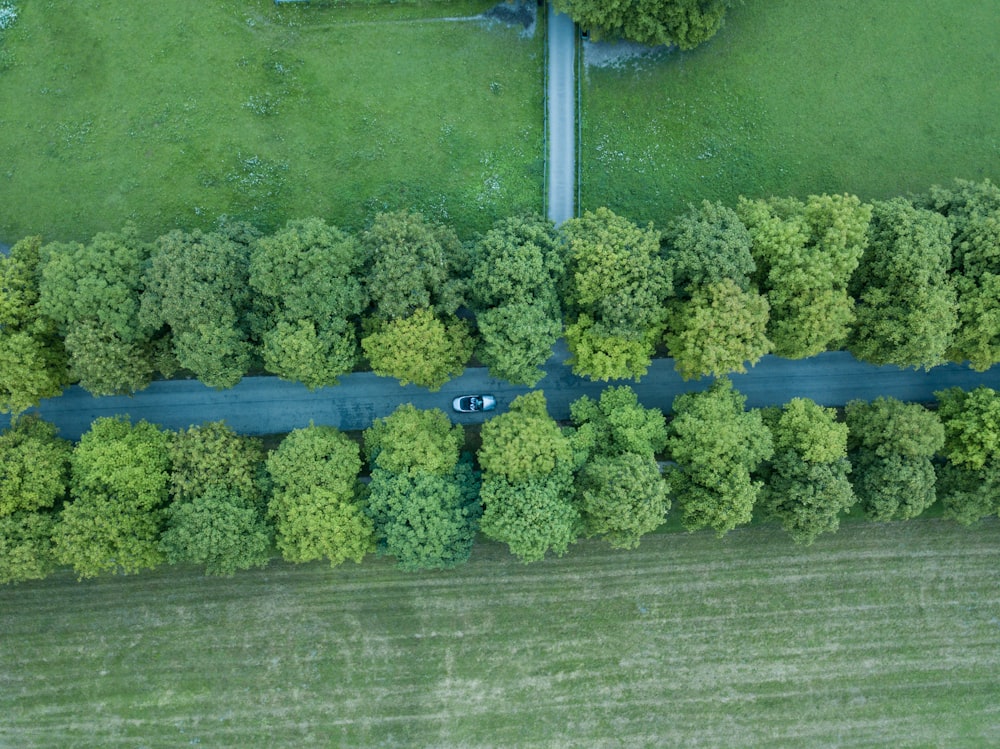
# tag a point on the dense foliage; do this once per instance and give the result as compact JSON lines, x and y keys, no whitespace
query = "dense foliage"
{"x":684,"y":23}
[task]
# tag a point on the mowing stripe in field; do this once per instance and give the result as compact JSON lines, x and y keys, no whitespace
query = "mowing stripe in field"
{"x":882,"y":635}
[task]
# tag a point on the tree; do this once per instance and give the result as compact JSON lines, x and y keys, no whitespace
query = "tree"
{"x":412,"y":265}
{"x":806,"y":484}
{"x":216,"y":516}
{"x":422,"y":349}
{"x":706,"y":245}
{"x":413,"y":440}
{"x":34,"y":467}
{"x":423,"y":498}
{"x":969,"y":483}
{"x":527,"y":490}
{"x":426,"y":520}
{"x":317,"y":500}
{"x":973,"y":213}
{"x":91,"y":293}
{"x":197,"y":285}
{"x":119,"y":483}
{"x":308,"y":278}
{"x":684,"y":23}
{"x":415,"y":285}
{"x":33,"y":361}
{"x":716,"y":445}
{"x":805,"y":254}
{"x":891,"y":444}
{"x":616,"y":284}
{"x":618,"y":424}
{"x":622,"y":498}
{"x":516,"y":273}
{"x":906,"y":312}
{"x":525,"y":443}
{"x":26,"y":546}
{"x":718,"y":330}
{"x":620,"y":491}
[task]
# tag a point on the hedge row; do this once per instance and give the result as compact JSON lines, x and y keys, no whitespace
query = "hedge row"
{"x":913,"y":282}
{"x":131,"y":497}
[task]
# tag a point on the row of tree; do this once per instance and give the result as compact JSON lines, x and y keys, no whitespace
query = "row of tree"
{"x":912,"y":282}
{"x":128,"y":496}
{"x":681,"y":23}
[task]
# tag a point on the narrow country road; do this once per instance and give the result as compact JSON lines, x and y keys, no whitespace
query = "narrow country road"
{"x":561,"y":116}
{"x":267,"y":405}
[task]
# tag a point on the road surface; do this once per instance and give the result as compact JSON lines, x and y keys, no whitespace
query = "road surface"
{"x":267,"y":405}
{"x":561,"y":116}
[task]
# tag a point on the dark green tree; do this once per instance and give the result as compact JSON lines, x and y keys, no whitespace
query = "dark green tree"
{"x":907,"y":307}
{"x":308,"y":280}
{"x":119,"y":485}
{"x":890,"y":444}
{"x":805,"y":254}
{"x":716,"y":445}
{"x":622,"y":497}
{"x":34,"y":466}
{"x":806,"y":485}
{"x":517,"y":270}
{"x":92,"y":295}
{"x":198,"y":288}
{"x":616,"y":283}
{"x":684,"y":23}
{"x":26,"y":551}
{"x":423,"y":497}
{"x":317,"y":503}
{"x":969,"y":483}
{"x":708,"y":244}
{"x":216,"y":514}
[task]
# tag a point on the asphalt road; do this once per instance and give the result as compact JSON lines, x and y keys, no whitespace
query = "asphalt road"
{"x":265,"y":405}
{"x":561,"y":116}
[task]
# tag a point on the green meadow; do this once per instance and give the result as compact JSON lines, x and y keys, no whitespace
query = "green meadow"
{"x":797,"y":97}
{"x":171,"y":114}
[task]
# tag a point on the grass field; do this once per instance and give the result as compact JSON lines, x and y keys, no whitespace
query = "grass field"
{"x":170,"y":114}
{"x":797,"y":97}
{"x":882,"y":635}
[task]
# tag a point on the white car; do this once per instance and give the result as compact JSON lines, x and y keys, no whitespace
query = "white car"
{"x":467,"y":404}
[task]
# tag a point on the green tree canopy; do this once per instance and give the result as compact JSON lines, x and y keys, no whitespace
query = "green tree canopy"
{"x":412,"y":265}
{"x":412,"y":440}
{"x":525,"y":443}
{"x":119,"y":484}
{"x":973,"y":213}
{"x":718,"y":330}
{"x":517,"y":270}
{"x":532,"y":516}
{"x":34,"y":466}
{"x":422,"y":349}
{"x":907,"y":306}
{"x":806,"y":485}
{"x":967,"y":494}
{"x":684,"y":23}
{"x":308,"y":278}
{"x":316,"y":502}
{"x":716,"y":444}
{"x":706,"y":245}
{"x":616,"y":283}
{"x":806,"y":253}
{"x":891,"y":445}
{"x":617,"y":423}
{"x":26,"y":551}
{"x":971,"y":423}
{"x":92,"y":295}
{"x":622,"y":497}
{"x":197,"y":284}
{"x":425,"y":520}
{"x":33,"y":361}
{"x":216,"y":516}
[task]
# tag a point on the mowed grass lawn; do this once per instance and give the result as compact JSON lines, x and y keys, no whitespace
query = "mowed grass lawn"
{"x":882,"y":635}
{"x":797,"y":97}
{"x":170,"y":114}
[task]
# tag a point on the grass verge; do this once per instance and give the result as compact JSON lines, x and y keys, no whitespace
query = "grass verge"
{"x":170,"y":115}
{"x":797,"y":98}
{"x":882,"y":635}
